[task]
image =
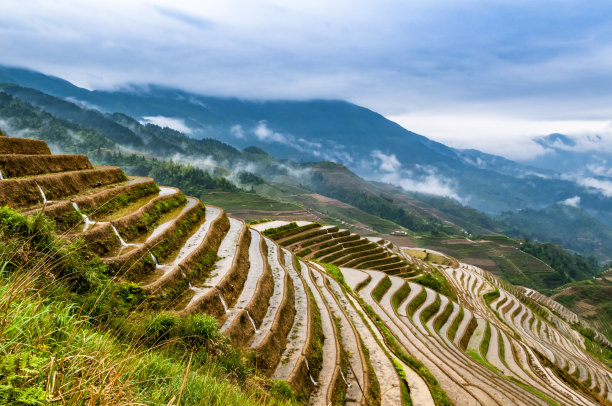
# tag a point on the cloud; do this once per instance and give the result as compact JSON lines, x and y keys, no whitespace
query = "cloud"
{"x":388,"y":163}
{"x":510,"y":137}
{"x":506,"y":60}
{"x":263,"y":133}
{"x":600,"y":168}
{"x":237,"y":131}
{"x":174,"y":123}
{"x":572,"y":201}
{"x":602,"y":186}
{"x":427,"y":182}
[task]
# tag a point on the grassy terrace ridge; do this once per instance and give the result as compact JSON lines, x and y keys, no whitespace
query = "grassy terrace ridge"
{"x":68,"y":329}
{"x":382,"y":288}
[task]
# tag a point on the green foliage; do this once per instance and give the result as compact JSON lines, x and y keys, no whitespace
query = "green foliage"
{"x":382,"y":288}
{"x":363,"y":283}
{"x":369,"y":202}
{"x":67,"y":328}
{"x":486,"y":339}
{"x":249,"y":178}
{"x":444,"y":316}
{"x":431,"y":310}
{"x":452,"y":330}
{"x":288,"y":230}
{"x":400,"y":295}
{"x":282,"y":389}
{"x":19,"y":379}
{"x":490,"y":296}
{"x":569,"y":227}
{"x":416,"y":302}
{"x":191,"y":180}
{"x":575,"y":266}
{"x":303,"y":252}
{"x":335,"y":273}
{"x":434,"y":280}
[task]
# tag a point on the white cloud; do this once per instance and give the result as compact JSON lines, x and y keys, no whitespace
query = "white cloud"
{"x":602,"y":186}
{"x":174,"y":123}
{"x":572,"y":201}
{"x":388,"y":163}
{"x":263,"y":133}
{"x":507,"y":136}
{"x":600,"y":168}
{"x":431,"y":184}
{"x":237,"y":131}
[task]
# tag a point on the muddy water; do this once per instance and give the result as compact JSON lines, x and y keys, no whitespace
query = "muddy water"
{"x":160,"y":229}
{"x":319,"y":395}
{"x":278,"y":272}
{"x":227,"y":252}
{"x":196,"y":239}
{"x":415,"y":290}
{"x":250,"y":285}
{"x":190,"y":245}
{"x":419,"y":391}
{"x":355,"y":375}
{"x":299,"y":330}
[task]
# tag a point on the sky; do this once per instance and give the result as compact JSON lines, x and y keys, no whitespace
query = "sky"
{"x":472,"y":74}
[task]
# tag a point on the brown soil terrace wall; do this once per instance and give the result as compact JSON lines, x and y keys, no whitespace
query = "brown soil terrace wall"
{"x":138,"y":262}
{"x":91,"y":202}
{"x":299,"y":378}
{"x":15,"y":166}
{"x":241,"y":330}
{"x":102,"y":240}
{"x":267,"y":353}
{"x":24,"y":192}
{"x":11,"y":145}
{"x":230,"y":286}
{"x":191,"y":265}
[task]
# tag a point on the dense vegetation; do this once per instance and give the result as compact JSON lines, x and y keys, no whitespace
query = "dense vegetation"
{"x":588,"y":235}
{"x":70,"y":335}
{"x":575,"y":266}
{"x":192,"y":181}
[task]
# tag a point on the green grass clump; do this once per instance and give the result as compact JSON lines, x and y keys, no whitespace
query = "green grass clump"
{"x":288,"y":230}
{"x":382,"y":288}
{"x":490,"y":296}
{"x":400,"y":295}
{"x":436,"y":281}
{"x":335,"y":273}
{"x":430,"y":311}
{"x":303,"y":252}
{"x":416,"y":302}
{"x":443,"y":317}
{"x":484,"y":344}
{"x":452,"y":330}
{"x":363,"y":283}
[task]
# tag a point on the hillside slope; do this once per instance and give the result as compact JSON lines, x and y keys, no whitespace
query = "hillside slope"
{"x":361,"y":139}
{"x":385,"y":328}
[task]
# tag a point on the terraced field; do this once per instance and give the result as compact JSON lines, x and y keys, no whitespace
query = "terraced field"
{"x":337,"y":316}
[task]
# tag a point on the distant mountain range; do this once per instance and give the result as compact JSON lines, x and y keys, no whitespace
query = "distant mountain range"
{"x":330,"y":130}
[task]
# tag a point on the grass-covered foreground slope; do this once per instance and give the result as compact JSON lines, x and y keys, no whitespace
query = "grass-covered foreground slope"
{"x":72,"y":336}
